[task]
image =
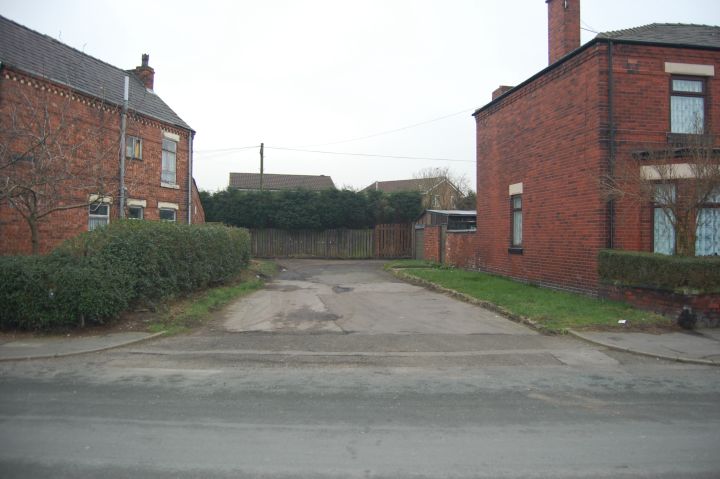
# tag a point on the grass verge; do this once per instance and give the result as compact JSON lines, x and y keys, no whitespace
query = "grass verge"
{"x":553,"y":311}
{"x":185,"y":314}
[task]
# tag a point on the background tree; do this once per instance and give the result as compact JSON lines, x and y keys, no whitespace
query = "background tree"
{"x":51,"y":156}
{"x":683,"y":185}
{"x":447,"y":197}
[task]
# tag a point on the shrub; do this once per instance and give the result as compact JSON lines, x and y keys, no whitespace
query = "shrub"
{"x":97,"y":275}
{"x":700,"y":274}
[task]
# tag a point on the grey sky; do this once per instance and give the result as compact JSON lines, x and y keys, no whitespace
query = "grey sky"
{"x":311,"y":74}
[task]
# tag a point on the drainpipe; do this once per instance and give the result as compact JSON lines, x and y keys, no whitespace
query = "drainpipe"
{"x":611,"y":155}
{"x":190,"y":169}
{"x":123,"y":128}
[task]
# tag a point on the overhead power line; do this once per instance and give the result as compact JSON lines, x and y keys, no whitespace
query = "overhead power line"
{"x":387,"y":132}
{"x":367,"y":154}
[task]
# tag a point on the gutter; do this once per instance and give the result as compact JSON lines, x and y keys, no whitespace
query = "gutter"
{"x":191,"y":136}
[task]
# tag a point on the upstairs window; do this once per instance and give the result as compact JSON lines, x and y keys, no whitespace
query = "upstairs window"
{"x":133,"y":148}
{"x":169,"y":152}
{"x":687,"y":105}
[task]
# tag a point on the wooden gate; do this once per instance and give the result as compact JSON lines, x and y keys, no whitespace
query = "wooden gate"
{"x":419,"y":252}
{"x":393,"y":241}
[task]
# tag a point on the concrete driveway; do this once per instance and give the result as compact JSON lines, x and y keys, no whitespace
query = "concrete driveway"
{"x":357,"y":297}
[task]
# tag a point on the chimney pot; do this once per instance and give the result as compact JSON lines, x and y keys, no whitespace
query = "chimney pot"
{"x":563,"y":28}
{"x":145,"y":72}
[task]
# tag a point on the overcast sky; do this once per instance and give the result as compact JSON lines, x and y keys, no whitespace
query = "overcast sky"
{"x":312,"y":75}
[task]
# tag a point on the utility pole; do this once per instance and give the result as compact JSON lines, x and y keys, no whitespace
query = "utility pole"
{"x":262,"y":147}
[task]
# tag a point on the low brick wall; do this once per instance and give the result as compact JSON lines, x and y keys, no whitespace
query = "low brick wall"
{"x":431,"y":246}
{"x":460,"y":249}
{"x":705,"y":306}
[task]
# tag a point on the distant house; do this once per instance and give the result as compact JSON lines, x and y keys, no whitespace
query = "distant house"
{"x":275,"y":182}
{"x":438,"y":193}
{"x":72,"y":178}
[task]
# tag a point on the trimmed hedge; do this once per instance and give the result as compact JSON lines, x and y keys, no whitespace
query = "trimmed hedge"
{"x":690,"y":274}
{"x":99,"y":274}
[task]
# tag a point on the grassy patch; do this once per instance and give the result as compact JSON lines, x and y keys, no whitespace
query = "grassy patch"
{"x":182,"y":315}
{"x":555,"y":310}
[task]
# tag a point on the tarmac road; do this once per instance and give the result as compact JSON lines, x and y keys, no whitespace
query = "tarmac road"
{"x":374,"y":400}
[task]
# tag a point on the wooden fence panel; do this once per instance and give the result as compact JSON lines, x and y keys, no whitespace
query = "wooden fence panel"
{"x":393,"y":241}
{"x":348,"y":244}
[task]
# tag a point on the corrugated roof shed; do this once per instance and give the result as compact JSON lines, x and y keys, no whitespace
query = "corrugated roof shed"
{"x":31,"y":52}
{"x":251,"y":181}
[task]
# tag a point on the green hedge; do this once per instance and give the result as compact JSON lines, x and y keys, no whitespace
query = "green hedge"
{"x":99,"y":274}
{"x":699,"y":274}
{"x":311,"y":210}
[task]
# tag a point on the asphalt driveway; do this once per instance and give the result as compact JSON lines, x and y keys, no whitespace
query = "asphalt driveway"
{"x":357,"y":297}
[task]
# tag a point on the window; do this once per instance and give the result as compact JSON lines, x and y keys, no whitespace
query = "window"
{"x":99,"y":215}
{"x":436,"y":201}
{"x":707,"y":241}
{"x":167,"y":214}
{"x":663,"y":229}
{"x":135,"y":212}
{"x":687,"y":105}
{"x":169,"y":152}
{"x":517,"y":221}
{"x":133,"y":148}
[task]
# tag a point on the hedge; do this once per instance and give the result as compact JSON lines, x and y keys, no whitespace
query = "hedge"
{"x":94,"y":277}
{"x":689,"y":274}
{"x":311,"y":210}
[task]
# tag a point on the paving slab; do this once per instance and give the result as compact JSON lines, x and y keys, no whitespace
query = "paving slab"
{"x":700,"y":346}
{"x":58,"y":346}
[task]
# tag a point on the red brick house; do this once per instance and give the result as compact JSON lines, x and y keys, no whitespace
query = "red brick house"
{"x":437,"y":193}
{"x":61,"y":115}
{"x":544,"y":145}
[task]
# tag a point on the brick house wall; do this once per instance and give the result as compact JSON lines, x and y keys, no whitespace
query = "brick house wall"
{"x":552,"y":136}
{"x":88,"y":114}
{"x":548,"y":137}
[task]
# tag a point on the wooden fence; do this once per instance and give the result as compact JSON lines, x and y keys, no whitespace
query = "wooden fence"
{"x":385,"y":241}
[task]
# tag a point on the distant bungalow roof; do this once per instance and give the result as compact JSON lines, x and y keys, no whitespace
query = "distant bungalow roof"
{"x":42,"y":56}
{"x":251,"y":181}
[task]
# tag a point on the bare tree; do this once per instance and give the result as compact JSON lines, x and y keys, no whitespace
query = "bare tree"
{"x":52,"y":152}
{"x":680,"y":182}
{"x":447,"y":198}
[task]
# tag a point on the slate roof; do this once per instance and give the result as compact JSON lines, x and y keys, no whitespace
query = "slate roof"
{"x":251,"y":181}
{"x":670,"y":34}
{"x":40,"y":55}
{"x":420,"y":184}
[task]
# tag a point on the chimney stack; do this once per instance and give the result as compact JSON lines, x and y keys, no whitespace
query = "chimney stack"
{"x":145,"y":72}
{"x":563,"y":28}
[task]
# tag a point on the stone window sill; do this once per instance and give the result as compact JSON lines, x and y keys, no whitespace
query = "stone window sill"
{"x":170,"y":185}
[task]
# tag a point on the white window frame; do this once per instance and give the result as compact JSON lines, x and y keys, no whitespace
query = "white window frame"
{"x":165,"y":210}
{"x":516,"y":233}
{"x":139,"y":208}
{"x":169,"y":161}
{"x":679,"y":124}
{"x":95,"y":220}
{"x":133,"y":148}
